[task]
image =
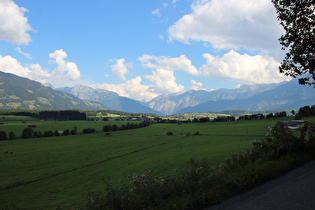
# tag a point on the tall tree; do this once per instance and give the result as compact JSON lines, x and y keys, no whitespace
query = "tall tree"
{"x":298,"y":20}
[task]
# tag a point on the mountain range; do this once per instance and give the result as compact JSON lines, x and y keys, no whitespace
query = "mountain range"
{"x":175,"y":103}
{"x":282,"y":96}
{"x":109,"y":99}
{"x":18,"y":92}
{"x":289,"y":95}
{"x":279,"y":96}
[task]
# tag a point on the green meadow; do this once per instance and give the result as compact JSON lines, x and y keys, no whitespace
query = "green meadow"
{"x":60,"y":172}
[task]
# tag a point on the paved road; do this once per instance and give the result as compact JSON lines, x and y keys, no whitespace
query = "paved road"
{"x":295,"y":190}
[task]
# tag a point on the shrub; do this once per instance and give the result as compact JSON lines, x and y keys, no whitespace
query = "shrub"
{"x":48,"y":134}
{"x":107,"y":128}
{"x":169,"y":133}
{"x":27,"y":133}
{"x":66,"y":132}
{"x":35,"y":134}
{"x":74,"y":131}
{"x":11,"y":135}
{"x":123,"y":127}
{"x":197,"y":133}
{"x":88,"y":130}
{"x":3,"y":135}
{"x":39,"y":134}
{"x":114,"y":127}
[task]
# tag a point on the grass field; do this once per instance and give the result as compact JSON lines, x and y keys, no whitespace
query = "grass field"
{"x":61,"y":171}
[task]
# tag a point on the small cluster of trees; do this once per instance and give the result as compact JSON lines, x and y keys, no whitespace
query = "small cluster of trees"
{"x":88,"y":130}
{"x":115,"y":127}
{"x":29,"y":133}
{"x":224,"y":119}
{"x":203,"y":119}
{"x":4,"y":135}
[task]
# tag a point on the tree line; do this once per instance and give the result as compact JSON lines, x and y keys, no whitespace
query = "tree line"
{"x":307,"y":111}
{"x":60,"y":115}
{"x":30,"y":133}
{"x":115,"y":127}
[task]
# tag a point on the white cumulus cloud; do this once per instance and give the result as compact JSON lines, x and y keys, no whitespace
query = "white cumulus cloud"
{"x":35,"y":72}
{"x":119,"y":69}
{"x":168,"y":63}
{"x":259,"y":69}
{"x":131,"y":88}
{"x":226,"y":24}
{"x":13,"y":24}
{"x":197,"y":85}
{"x":164,"y":81}
{"x":64,"y":66}
{"x":9,"y":64}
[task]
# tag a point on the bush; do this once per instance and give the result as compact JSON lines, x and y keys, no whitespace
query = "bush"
{"x":169,"y":133}
{"x":88,"y":130}
{"x":57,"y":133}
{"x":107,"y":128}
{"x":66,"y":132}
{"x":197,"y":133}
{"x":74,"y":131}
{"x":27,"y":133}
{"x":3,"y":135}
{"x":11,"y":135}
{"x":39,"y":134}
{"x":48,"y":134}
{"x":114,"y":127}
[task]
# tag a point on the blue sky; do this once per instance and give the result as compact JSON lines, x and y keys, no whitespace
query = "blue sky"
{"x":141,"y":48}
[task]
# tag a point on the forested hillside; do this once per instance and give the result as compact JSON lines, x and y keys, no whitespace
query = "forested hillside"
{"x":21,"y":93}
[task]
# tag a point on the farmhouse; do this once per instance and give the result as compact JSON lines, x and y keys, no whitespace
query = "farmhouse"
{"x":292,"y":125}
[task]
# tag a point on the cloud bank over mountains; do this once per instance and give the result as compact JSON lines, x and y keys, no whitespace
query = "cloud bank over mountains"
{"x":244,"y":31}
{"x":61,"y":74}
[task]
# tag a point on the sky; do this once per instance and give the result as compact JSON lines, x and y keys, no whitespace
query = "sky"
{"x":142,"y":48}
